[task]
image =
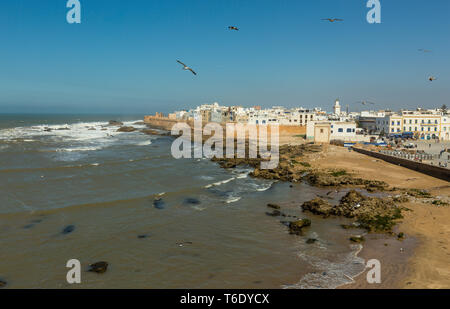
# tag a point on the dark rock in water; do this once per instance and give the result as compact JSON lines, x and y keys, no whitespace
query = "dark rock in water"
{"x":159,"y":203}
{"x":68,"y":229}
{"x":286,"y":223}
{"x":126,"y":129}
{"x":2,"y":283}
{"x":311,"y":241}
{"x":47,"y":130}
{"x":348,"y":226}
{"x":274,"y":206}
{"x":115,"y":123}
{"x":357,"y":239}
{"x":143,"y":236}
{"x":192,"y":201}
{"x":99,"y":267}
{"x":318,"y":207}
{"x":297,"y":226}
{"x":275,"y":213}
{"x":150,"y":132}
{"x":63,"y":129}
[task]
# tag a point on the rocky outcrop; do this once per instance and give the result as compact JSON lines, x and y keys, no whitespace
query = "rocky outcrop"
{"x":115,"y":123}
{"x":371,"y":213}
{"x":318,"y":206}
{"x":296,"y":227}
{"x":2,"y":283}
{"x":126,"y":129}
{"x":342,"y":178}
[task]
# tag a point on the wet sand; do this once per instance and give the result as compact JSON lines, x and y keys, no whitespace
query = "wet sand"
{"x":424,"y":261}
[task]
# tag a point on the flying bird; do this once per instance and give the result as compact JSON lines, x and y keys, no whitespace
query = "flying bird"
{"x":332,"y":20}
{"x":186,"y":68}
{"x":233,"y":28}
{"x":424,"y":50}
{"x":365,"y":102}
{"x":431,"y":78}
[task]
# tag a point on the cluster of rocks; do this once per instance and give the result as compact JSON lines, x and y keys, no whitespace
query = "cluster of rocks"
{"x":296,"y":226}
{"x":371,"y":213}
{"x":340,"y":178}
{"x":126,"y":129}
{"x":292,"y":170}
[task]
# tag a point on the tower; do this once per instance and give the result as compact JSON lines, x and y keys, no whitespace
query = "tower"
{"x":337,"y":107}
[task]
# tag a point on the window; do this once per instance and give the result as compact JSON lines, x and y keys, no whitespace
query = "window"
{"x":410,"y":121}
{"x":349,"y":130}
{"x":436,"y":121}
{"x":398,"y":123}
{"x":321,"y":130}
{"x":392,"y":130}
{"x":415,"y":128}
{"x":416,"y":121}
{"x":340,"y":130}
{"x":393,"y":122}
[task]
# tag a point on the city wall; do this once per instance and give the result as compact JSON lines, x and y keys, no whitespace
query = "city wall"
{"x":166,"y":123}
{"x":431,"y":170}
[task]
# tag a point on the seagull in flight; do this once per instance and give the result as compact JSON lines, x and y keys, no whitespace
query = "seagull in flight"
{"x":233,"y":28}
{"x":431,"y":78}
{"x":186,"y":68}
{"x":365,"y":102}
{"x":332,"y":20}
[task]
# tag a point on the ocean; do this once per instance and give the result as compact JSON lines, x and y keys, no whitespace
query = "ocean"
{"x":159,"y":222}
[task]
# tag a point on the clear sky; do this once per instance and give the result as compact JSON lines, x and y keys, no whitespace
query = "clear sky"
{"x":122,"y":57}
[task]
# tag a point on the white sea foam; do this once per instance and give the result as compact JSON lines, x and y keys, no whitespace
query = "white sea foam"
{"x":78,"y":149}
{"x":331,"y":274}
{"x":233,"y":199}
{"x":216,"y":184}
{"x":144,"y":143}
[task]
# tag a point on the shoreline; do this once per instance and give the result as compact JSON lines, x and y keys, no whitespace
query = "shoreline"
{"x":422,"y":263}
{"x":408,"y":262}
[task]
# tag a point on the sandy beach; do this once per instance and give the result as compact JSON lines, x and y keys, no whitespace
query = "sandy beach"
{"x":423,"y":262}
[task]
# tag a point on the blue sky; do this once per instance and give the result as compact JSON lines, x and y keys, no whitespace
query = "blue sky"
{"x":122,"y":57}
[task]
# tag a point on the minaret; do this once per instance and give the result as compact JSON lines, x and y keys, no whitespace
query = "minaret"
{"x":337,"y":108}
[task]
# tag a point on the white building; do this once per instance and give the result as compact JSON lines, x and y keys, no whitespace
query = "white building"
{"x":344,"y":131}
{"x":337,"y":108}
{"x":424,"y":124}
